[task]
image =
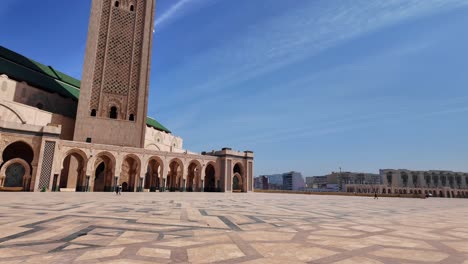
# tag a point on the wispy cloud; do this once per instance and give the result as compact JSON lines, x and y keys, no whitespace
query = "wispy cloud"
{"x":179,"y":9}
{"x":395,"y":116}
{"x":295,"y":36}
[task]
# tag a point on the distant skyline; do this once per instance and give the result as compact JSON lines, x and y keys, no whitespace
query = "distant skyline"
{"x":309,"y":86}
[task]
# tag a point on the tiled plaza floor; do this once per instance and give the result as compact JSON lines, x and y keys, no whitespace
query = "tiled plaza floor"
{"x":230,"y":228}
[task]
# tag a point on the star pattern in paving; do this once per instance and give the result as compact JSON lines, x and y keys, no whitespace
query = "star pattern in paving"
{"x":230,"y":228}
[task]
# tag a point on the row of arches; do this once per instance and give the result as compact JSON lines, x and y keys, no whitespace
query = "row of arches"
{"x":100,"y":174}
{"x":447,"y":193}
{"x":134,"y":176}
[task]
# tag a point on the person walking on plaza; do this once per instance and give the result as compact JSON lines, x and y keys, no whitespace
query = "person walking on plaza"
{"x":375,"y":196}
{"x":120,"y":189}
{"x":116,"y":189}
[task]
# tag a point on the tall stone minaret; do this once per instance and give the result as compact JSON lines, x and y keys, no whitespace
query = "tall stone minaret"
{"x":114,"y":89}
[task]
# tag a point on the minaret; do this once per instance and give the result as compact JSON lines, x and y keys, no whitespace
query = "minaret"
{"x":114,"y":89}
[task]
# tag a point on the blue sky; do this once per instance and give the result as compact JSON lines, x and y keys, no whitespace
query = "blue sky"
{"x":309,"y":85}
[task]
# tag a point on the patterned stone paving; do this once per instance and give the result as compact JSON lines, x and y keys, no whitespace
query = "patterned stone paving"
{"x":230,"y":228}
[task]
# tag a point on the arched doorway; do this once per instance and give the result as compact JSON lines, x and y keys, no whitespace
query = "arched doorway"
{"x":73,"y":174}
{"x":153,"y":172}
{"x":210,"y":179}
{"x":175,"y":176}
{"x":194,"y":177}
{"x":16,"y":169}
{"x":129,"y":173}
{"x":237,"y":183}
{"x":104,"y":168}
{"x":238,"y":178}
{"x":15,"y":175}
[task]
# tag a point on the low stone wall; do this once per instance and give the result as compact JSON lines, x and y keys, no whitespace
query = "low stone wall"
{"x":344,"y":194}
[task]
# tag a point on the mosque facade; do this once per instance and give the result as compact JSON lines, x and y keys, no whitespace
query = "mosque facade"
{"x":61,"y":134}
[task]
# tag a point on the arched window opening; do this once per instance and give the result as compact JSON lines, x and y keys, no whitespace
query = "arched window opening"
{"x":237,"y":169}
{"x":93,"y":112}
{"x":117,"y":3}
{"x":18,"y":150}
{"x":131,"y":117}
{"x":113,"y":112}
{"x":132,"y":8}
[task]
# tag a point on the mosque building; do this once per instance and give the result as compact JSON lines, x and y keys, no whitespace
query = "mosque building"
{"x":61,"y":134}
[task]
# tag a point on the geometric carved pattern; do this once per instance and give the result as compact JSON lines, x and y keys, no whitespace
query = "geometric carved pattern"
{"x":118,"y":58}
{"x":236,"y":228}
{"x":138,"y":42}
{"x":119,"y":52}
{"x":47,"y":161}
{"x":100,"y":55}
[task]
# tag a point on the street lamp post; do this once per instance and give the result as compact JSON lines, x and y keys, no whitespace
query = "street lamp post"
{"x":340,"y":182}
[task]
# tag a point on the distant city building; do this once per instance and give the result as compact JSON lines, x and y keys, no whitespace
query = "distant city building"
{"x":434,"y":182}
{"x":287,"y":181}
{"x":342,"y":179}
{"x":337,"y":181}
{"x":293,"y":181}
{"x":316,"y":182}
{"x":261,"y":183}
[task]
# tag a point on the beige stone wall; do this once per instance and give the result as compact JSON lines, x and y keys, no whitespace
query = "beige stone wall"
{"x":18,"y":104}
{"x":23,"y":93}
{"x":159,"y":140}
{"x":426,"y":179}
{"x":23,"y":114}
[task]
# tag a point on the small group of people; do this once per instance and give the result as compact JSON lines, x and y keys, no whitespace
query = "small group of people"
{"x":118,"y":190}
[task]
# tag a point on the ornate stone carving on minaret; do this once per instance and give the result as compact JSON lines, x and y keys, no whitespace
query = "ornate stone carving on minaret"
{"x":113,"y":100}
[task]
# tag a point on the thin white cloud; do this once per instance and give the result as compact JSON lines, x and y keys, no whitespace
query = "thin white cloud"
{"x":170,"y":13}
{"x":179,"y":9}
{"x":295,"y":36}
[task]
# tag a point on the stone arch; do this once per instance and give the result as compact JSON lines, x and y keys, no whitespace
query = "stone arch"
{"x":73,"y":172}
{"x":176,"y":175}
{"x":15,"y":174}
{"x":210,"y":178}
{"x":18,"y":149}
{"x":194,"y":176}
{"x":158,"y":137}
{"x":174,"y":143}
{"x":130,"y":173}
{"x":154,"y":174}
{"x":104,"y":172}
{"x":9,"y":114}
{"x":237,"y":183}
{"x":240,"y":170}
{"x":152,"y":146}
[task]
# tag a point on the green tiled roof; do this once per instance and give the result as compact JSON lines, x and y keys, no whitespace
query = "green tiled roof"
{"x":153,"y":123}
{"x":36,"y":74}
